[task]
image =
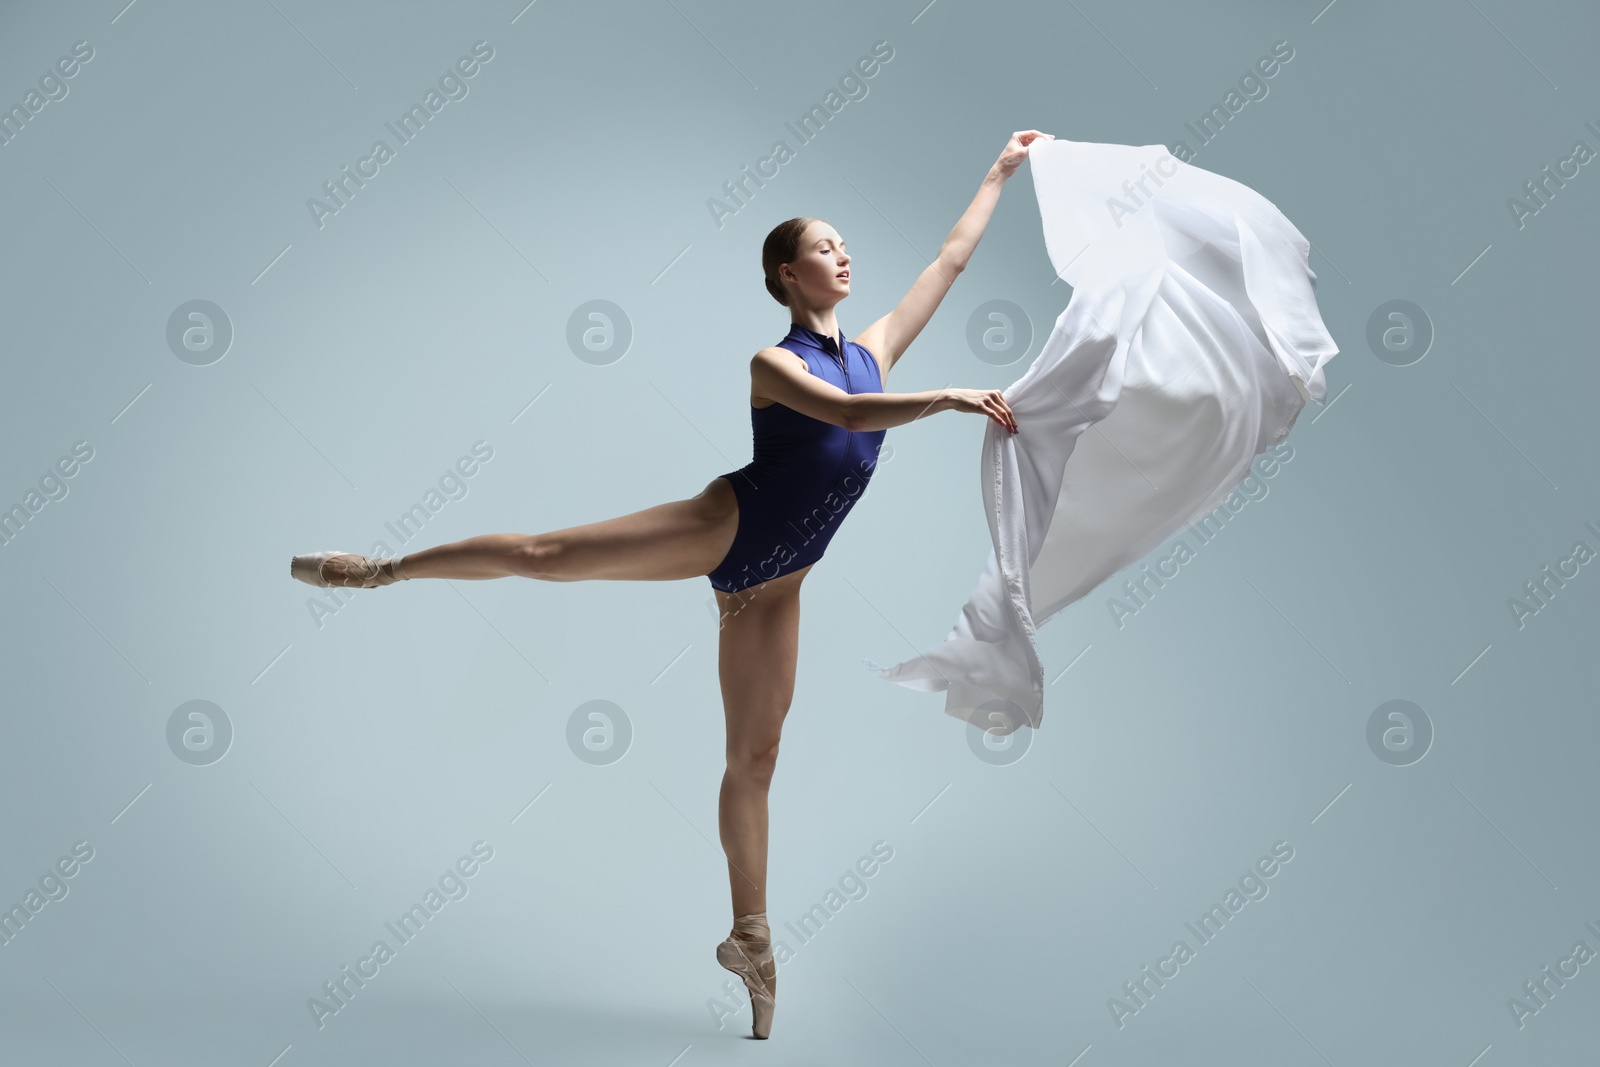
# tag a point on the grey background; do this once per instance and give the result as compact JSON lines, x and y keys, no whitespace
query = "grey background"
{"x":372,"y":748}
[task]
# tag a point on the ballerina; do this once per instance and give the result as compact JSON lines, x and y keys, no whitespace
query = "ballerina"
{"x":819,"y":412}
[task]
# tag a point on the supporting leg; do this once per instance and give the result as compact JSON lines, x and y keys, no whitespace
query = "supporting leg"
{"x":759,"y":646}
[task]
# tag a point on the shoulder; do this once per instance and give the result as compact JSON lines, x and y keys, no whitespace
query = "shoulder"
{"x":768,"y":362}
{"x":776,"y":357}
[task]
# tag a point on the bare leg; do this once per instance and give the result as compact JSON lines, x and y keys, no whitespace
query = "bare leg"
{"x":681,"y":539}
{"x":503,"y":555}
{"x":756,"y":657}
{"x":758,"y":649}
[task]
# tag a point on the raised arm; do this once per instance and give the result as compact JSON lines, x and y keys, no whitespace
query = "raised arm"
{"x":890,"y":336}
{"x":778,"y":374}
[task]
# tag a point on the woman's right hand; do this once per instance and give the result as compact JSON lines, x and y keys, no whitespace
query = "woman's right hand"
{"x":1016,"y":150}
{"x":988,"y":402}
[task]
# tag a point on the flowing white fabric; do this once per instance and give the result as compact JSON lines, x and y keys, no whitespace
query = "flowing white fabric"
{"x":1190,"y":344}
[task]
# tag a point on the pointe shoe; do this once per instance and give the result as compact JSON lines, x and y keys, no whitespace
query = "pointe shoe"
{"x":368,"y":573}
{"x":752,"y":961}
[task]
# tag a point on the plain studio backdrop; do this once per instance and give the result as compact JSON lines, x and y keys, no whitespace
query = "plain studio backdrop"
{"x":536,"y":308}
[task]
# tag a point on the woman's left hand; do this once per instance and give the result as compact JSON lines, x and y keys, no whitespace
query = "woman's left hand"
{"x":1016,"y":150}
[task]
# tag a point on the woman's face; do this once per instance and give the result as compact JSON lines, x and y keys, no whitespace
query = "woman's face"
{"x":822,"y":266}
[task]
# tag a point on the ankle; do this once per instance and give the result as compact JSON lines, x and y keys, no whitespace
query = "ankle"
{"x":752,"y":927}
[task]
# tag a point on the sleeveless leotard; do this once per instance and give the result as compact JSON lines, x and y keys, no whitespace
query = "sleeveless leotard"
{"x":805,"y":474}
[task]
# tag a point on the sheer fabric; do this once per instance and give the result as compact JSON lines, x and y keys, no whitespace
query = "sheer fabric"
{"x":1190,"y":344}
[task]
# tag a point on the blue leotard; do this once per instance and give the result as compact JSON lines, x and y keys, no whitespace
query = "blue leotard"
{"x":806,"y":474}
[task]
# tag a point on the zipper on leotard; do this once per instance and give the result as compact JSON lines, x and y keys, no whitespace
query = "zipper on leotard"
{"x":844,"y":364}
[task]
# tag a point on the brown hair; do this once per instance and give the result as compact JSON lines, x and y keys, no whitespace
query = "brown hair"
{"x":782,"y":246}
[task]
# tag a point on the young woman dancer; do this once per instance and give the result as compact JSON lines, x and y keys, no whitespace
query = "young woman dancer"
{"x":819,"y":413}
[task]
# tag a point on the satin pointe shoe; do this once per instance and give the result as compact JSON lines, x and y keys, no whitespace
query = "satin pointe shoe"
{"x":353,"y":571}
{"x":750,"y":957}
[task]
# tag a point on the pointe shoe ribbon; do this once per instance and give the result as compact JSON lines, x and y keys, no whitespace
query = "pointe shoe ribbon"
{"x":358,"y":572}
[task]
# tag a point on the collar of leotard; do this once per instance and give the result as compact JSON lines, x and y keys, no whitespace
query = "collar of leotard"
{"x":806,"y":333}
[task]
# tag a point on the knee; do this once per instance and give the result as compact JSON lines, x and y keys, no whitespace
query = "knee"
{"x":754,"y":764}
{"x":537,"y":556}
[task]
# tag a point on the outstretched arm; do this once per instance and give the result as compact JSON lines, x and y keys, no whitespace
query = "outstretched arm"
{"x":780,"y":375}
{"x":890,"y":336}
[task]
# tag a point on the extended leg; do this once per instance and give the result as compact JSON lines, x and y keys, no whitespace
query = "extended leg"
{"x":681,"y":539}
{"x":502,"y":555}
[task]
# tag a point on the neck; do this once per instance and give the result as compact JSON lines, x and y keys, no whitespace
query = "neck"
{"x":823,"y":321}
